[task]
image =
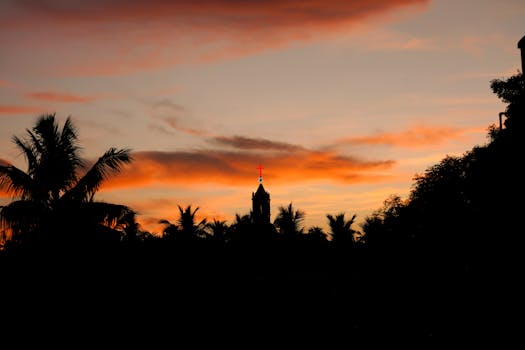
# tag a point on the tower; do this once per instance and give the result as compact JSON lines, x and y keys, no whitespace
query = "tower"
{"x":260,"y":203}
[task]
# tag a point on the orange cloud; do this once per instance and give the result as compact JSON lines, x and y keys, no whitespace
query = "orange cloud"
{"x":160,"y":33}
{"x":233,"y":168}
{"x":414,"y":137}
{"x":58,"y":97}
{"x":10,"y":109}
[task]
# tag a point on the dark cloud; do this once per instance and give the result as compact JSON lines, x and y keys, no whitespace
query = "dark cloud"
{"x":246,"y":143}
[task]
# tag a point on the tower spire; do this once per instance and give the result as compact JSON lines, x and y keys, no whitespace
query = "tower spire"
{"x":260,"y":168}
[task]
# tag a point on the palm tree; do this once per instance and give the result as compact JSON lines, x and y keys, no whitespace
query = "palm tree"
{"x":186,"y":226}
{"x":171,"y":231}
{"x":241,"y":227}
{"x":341,"y":229}
{"x":52,"y":197}
{"x":289,"y":221}
{"x":219,"y":230}
{"x":317,"y":235}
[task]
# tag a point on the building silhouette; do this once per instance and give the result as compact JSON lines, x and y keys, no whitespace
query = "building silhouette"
{"x":260,"y":204}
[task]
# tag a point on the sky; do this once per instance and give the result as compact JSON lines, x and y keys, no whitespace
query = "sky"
{"x":342,"y":102}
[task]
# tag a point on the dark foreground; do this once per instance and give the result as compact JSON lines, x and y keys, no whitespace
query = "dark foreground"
{"x":224,"y":293}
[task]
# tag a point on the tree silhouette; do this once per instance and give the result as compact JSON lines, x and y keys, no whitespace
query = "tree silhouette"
{"x":341,"y":229}
{"x":187,"y":222}
{"x":52,"y":196}
{"x":384,"y":228}
{"x":186,"y":227}
{"x":131,"y":229}
{"x":317,"y":235}
{"x":289,"y":221}
{"x":464,"y":199}
{"x":512,"y":92}
{"x":241,"y":227}
{"x":459,"y":230}
{"x":219,"y":230}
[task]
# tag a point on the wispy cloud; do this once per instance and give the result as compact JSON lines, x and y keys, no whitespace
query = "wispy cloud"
{"x":465,"y":101}
{"x":101,"y":126}
{"x":413,"y":137}
{"x":51,"y":96}
{"x":485,"y":76}
{"x":379,"y":39}
{"x":175,"y":124}
{"x":12,"y":109}
{"x":477,"y":45}
{"x":171,"y":115}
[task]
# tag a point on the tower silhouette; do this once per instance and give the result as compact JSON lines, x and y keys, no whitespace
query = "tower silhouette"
{"x":260,"y":203}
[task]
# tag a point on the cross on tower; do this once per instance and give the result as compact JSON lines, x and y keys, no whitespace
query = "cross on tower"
{"x":260,"y":168}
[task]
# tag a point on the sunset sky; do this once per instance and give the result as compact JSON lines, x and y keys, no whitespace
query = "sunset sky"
{"x":341,"y":101}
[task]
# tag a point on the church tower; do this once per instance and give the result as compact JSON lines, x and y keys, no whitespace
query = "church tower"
{"x":260,"y":203}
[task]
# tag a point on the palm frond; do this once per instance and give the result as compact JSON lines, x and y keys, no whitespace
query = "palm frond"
{"x":69,"y":132}
{"x":20,"y":217}
{"x":114,"y":216}
{"x":16,"y":181}
{"x":110,"y":163}
{"x":38,"y":148}
{"x":28,"y":150}
{"x":47,"y":128}
{"x":68,"y":142}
